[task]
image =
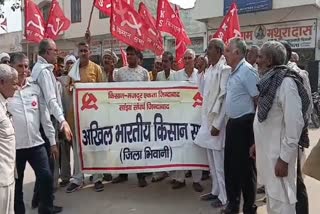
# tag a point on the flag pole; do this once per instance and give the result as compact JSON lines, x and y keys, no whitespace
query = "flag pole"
{"x":90,"y":17}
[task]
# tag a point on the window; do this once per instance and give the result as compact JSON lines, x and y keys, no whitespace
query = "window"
{"x":75,"y":11}
{"x":102,"y":15}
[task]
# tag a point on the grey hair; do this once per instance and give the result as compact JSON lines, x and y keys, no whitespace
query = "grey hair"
{"x":190,"y":51}
{"x":254,"y":47}
{"x":295,"y":56}
{"x":218,"y":44}
{"x":44,"y":46}
{"x":7,"y":72}
{"x":240,"y":44}
{"x":17,"y":57}
{"x":275,"y":51}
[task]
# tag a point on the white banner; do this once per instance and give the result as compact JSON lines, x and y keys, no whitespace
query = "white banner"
{"x":138,"y":127}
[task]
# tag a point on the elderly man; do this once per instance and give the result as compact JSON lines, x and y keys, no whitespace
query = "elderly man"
{"x":282,"y":109}
{"x":4,"y":58}
{"x":132,"y":73}
{"x":189,"y":73}
{"x":8,"y":86}
{"x":167,"y":73}
{"x":83,"y":71}
{"x":42,"y":73}
{"x":212,"y":132}
{"x":242,"y":92}
{"x":302,"y":206}
{"x":29,"y":110}
{"x":252,"y":55}
{"x":109,"y":61}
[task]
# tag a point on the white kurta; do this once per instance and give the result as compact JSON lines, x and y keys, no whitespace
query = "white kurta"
{"x":278,"y":136}
{"x":213,"y":107}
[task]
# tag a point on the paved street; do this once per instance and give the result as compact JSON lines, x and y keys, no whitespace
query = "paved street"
{"x":156,"y":198}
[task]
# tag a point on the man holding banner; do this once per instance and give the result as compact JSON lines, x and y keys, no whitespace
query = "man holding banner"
{"x":132,"y":73}
{"x":212,"y":132}
{"x":83,"y":71}
{"x":189,"y":73}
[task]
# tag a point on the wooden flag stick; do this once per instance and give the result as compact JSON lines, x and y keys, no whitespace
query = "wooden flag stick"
{"x":87,"y":34}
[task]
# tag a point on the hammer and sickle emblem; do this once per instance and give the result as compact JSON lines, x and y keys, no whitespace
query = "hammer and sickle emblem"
{"x":198,"y":100}
{"x":89,"y":102}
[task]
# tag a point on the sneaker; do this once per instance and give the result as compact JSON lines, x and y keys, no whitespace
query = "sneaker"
{"x":179,"y":185}
{"x":98,"y":186}
{"x":64,"y":183}
{"x":73,"y":187}
{"x":197,"y":187}
{"x":142,"y":182}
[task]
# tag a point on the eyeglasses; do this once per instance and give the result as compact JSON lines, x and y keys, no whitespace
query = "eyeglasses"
{"x":55,"y":50}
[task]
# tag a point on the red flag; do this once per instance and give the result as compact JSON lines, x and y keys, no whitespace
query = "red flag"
{"x":181,"y":48}
{"x":154,"y":40}
{"x":124,"y":57}
{"x":34,"y":22}
{"x":168,"y":21}
{"x":185,"y":36}
{"x":105,"y":5}
{"x":127,"y":24}
{"x":57,"y":21}
{"x":230,"y":26}
{"x":4,"y":25}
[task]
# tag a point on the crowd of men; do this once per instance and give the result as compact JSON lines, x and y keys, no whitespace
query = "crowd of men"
{"x":256,"y":105}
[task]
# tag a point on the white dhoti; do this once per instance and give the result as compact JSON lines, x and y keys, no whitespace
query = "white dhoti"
{"x":7,"y":199}
{"x":216,"y":164}
{"x":278,"y":207}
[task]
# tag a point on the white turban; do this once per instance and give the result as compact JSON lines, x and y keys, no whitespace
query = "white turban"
{"x":3,"y":55}
{"x":69,"y":58}
{"x":112,"y":54}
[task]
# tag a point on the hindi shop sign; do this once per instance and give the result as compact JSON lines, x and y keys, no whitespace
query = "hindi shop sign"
{"x":300,"y":34}
{"x":134,"y":127}
{"x":248,"y":6}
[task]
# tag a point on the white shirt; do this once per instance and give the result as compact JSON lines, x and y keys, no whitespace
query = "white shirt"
{"x":29,"y":109}
{"x":278,"y":136}
{"x":182,"y":75}
{"x":42,"y":73}
{"x":7,"y":146}
{"x":161,"y":76}
{"x":126,"y":74}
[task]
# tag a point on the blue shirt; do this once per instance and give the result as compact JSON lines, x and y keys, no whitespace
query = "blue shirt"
{"x":241,"y":88}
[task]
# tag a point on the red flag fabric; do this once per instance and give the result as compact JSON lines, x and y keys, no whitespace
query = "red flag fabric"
{"x":230,"y":26}
{"x":57,"y":21}
{"x":185,"y":36}
{"x":34,"y":22}
{"x":124,"y":57}
{"x":168,"y":21}
{"x":154,"y":40}
{"x":127,"y":25}
{"x":181,"y":48}
{"x":105,"y":5}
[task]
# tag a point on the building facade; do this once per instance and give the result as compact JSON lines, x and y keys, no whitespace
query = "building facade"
{"x":295,"y":21}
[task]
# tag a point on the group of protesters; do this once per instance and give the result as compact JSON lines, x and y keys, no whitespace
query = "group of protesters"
{"x":254,"y":117}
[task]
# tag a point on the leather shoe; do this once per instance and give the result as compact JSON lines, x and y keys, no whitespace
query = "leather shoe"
{"x":208,"y":197}
{"x":230,"y":210}
{"x":197,"y":187}
{"x":179,"y":185}
{"x":120,"y":179}
{"x":57,"y":209}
